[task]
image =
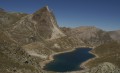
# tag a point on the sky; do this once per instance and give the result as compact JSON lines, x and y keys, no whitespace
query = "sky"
{"x":104,"y":14}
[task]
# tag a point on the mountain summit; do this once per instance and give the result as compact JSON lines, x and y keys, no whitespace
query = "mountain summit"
{"x":39,"y":25}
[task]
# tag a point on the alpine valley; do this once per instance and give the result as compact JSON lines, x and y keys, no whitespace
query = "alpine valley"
{"x":28,"y":41}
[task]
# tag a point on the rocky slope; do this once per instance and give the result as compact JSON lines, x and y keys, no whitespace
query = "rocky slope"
{"x":7,"y":19}
{"x":108,"y":52}
{"x":115,"y":35}
{"x":89,"y":35}
{"x":12,"y":57}
{"x":105,"y":67}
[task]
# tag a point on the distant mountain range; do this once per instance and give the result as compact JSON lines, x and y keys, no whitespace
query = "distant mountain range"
{"x":115,"y":35}
{"x":27,"y":40}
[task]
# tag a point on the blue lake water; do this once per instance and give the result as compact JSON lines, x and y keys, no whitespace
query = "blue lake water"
{"x":69,"y":61}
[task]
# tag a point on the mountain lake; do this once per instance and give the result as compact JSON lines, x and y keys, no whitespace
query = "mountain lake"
{"x":69,"y":61}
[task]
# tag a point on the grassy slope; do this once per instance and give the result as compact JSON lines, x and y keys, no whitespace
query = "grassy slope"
{"x":109,"y":52}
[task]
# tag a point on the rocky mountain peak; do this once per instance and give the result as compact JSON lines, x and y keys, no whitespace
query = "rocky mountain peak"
{"x":42,"y":10}
{"x":47,"y":23}
{"x":39,"y":25}
{"x":46,"y":7}
{"x":41,"y":14}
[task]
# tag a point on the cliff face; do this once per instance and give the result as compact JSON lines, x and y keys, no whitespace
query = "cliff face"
{"x":47,"y":25}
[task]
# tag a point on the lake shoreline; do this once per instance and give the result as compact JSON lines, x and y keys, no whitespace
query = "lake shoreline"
{"x":83,"y":65}
{"x":50,"y":58}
